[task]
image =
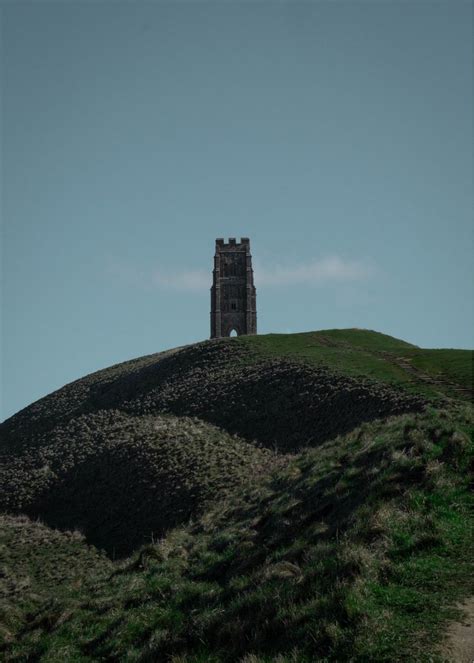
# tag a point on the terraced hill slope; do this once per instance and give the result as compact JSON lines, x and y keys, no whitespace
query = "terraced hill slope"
{"x":284,"y":497}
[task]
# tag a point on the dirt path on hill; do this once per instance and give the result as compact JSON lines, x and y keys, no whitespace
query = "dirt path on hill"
{"x":458,"y":646}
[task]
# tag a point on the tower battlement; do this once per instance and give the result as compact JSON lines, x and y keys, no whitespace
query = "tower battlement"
{"x":233,"y":294}
{"x":232,"y":243}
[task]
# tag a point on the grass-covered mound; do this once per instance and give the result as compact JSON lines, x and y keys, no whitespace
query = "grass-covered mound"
{"x":364,"y":353}
{"x":124,"y":480}
{"x":352,"y":543}
{"x":40,"y":567}
{"x":66,"y":403}
{"x":279,"y":402}
{"x":353,"y":551}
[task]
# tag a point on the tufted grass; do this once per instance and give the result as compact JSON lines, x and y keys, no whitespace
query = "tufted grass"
{"x":124,"y":480}
{"x":284,"y":498}
{"x":353,"y":551}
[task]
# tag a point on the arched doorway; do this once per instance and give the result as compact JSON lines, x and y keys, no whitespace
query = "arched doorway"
{"x":233,"y":332}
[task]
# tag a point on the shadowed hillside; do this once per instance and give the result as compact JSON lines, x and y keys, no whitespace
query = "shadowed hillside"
{"x":228,"y":384}
{"x":124,"y":480}
{"x":273,"y":498}
{"x":354,"y":551}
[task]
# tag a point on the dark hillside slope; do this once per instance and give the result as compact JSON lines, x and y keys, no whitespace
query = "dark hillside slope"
{"x":352,"y":543}
{"x":124,"y":480}
{"x":104,"y":454}
{"x":352,"y":552}
{"x":279,"y":402}
{"x":67,"y":402}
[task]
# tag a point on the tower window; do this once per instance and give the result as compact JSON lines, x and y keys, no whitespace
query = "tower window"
{"x":234,"y":306}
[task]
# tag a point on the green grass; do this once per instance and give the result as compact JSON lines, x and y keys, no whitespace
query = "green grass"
{"x":348,"y":539}
{"x":365,"y":353}
{"x":364,"y":338}
{"x":40,"y":566}
{"x":224,"y":382}
{"x":353,"y":551}
{"x":348,"y":360}
{"x":456,"y":365}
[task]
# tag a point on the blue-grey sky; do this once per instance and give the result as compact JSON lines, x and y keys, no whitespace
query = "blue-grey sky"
{"x":336,"y":135}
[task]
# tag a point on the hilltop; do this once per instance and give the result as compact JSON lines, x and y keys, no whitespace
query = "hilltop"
{"x":290,"y":497}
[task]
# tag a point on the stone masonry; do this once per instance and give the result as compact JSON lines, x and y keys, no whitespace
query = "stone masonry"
{"x":233,"y":294}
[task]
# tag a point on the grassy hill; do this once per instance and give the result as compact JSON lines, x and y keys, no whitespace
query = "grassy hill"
{"x":124,"y":480}
{"x":365,"y":353}
{"x":280,"y":498}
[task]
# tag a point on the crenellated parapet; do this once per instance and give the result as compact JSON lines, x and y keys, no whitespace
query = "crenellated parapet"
{"x":232,"y":244}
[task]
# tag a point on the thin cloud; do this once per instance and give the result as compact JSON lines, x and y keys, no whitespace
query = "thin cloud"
{"x":332,"y":269}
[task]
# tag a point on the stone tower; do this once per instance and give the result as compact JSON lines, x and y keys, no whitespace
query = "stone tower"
{"x":233,"y":295}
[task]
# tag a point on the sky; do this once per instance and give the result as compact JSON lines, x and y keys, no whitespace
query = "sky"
{"x":336,"y":135}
